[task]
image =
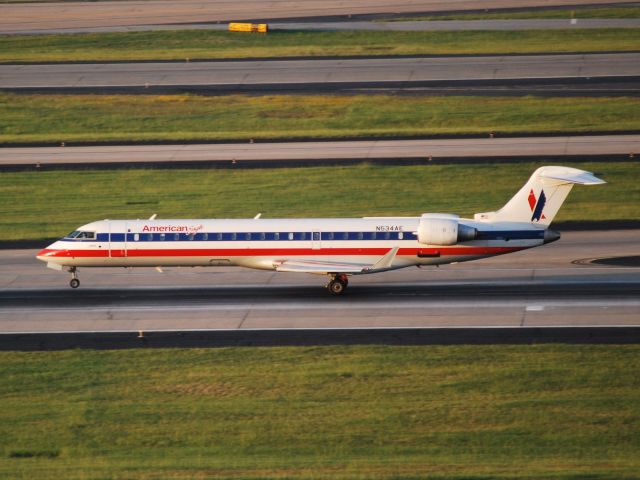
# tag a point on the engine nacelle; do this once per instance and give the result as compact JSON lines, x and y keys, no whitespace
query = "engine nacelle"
{"x":443,"y":229}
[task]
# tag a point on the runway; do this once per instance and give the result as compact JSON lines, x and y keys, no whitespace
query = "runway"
{"x":68,"y":15}
{"x":558,"y":285}
{"x":563,"y":148}
{"x":314,"y":75}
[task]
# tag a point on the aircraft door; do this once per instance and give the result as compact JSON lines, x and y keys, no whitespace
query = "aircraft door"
{"x":118,"y":242}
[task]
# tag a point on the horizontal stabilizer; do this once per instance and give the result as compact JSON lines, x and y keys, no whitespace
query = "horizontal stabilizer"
{"x":571,"y":175}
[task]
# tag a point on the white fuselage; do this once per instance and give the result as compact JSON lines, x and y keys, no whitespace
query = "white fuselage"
{"x":267,"y":243}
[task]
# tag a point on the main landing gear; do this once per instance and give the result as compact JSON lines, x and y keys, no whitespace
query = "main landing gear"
{"x":74,"y":282}
{"x":338,"y":283}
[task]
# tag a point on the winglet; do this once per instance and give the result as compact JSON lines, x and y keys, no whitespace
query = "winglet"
{"x":386,"y":261}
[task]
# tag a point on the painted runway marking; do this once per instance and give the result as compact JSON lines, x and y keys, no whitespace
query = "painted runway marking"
{"x":362,"y":305}
{"x":536,"y":308}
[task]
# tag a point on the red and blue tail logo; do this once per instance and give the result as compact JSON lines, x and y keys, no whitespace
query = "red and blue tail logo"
{"x":537,"y":205}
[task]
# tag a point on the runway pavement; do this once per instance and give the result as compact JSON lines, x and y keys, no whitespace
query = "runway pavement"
{"x":313,"y":74}
{"x":16,"y":17}
{"x":404,"y":26}
{"x":557,"y":285}
{"x":293,"y":153}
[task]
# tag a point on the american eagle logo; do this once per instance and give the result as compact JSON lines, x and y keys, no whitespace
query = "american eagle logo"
{"x":537,"y":205}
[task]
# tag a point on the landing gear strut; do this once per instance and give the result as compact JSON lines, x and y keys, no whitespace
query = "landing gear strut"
{"x":74,"y":282}
{"x":338,"y":283}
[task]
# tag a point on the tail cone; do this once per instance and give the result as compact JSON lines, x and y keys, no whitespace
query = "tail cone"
{"x":551,"y":236}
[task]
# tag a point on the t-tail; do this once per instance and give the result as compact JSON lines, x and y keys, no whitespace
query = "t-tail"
{"x":541,"y":197}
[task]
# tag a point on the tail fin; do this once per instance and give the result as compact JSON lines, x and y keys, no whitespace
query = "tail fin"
{"x":542,"y":196}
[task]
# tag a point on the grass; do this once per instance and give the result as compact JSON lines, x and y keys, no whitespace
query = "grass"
{"x":36,"y":205}
{"x":552,"y":13}
{"x":198,"y":44}
{"x":96,"y":118}
{"x":463,"y":412}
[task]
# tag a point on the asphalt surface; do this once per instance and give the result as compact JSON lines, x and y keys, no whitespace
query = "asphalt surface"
{"x":558,"y":285}
{"x":34,"y":17}
{"x":405,"y":26}
{"x":294,"y":153}
{"x":312,"y":74}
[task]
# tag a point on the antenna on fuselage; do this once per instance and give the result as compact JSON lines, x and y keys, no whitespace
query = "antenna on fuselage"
{"x":153,"y":217}
{"x":257,"y":216}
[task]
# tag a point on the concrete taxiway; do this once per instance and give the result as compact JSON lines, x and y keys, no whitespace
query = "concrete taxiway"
{"x":318,"y":74}
{"x":403,"y":26}
{"x":292,"y":153}
{"x":587,"y":279}
{"x":15,"y":17}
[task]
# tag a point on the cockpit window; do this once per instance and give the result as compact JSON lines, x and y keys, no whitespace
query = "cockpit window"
{"x":82,"y":235}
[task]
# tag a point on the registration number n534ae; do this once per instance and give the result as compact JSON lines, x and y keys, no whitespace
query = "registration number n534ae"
{"x":388,"y":228}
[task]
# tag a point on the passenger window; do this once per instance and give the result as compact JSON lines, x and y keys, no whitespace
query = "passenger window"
{"x":176,"y":237}
{"x":276,"y":236}
{"x":191,"y":236}
{"x":373,"y":235}
{"x":400,"y":235}
{"x":345,"y":236}
{"x":387,"y":235}
{"x":329,"y":235}
{"x":359,"y":236}
{"x":218,"y":236}
{"x":149,"y":237}
{"x":247,"y":236}
{"x":262,"y":236}
{"x":290,"y":236}
{"x":205,"y":236}
{"x":162,"y":237}
{"x":233,"y":236}
{"x":136,"y":237}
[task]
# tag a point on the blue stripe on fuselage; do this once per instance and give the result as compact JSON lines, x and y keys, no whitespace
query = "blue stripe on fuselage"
{"x":299,"y":236}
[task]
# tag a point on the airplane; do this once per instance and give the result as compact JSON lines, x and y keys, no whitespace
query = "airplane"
{"x":336,"y":247}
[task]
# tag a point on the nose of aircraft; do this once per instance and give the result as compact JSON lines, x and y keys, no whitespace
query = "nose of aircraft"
{"x":551,"y":236}
{"x":50,"y":253}
{"x":45,"y":254}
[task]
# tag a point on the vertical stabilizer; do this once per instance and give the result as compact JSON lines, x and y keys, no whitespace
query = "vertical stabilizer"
{"x":539,"y":200}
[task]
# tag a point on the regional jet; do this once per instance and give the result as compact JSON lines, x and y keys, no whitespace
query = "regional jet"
{"x":337,"y":248}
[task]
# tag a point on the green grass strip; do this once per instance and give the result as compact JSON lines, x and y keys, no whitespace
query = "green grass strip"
{"x":198,"y":44}
{"x":36,"y":205}
{"x":463,"y":412}
{"x":91,"y":118}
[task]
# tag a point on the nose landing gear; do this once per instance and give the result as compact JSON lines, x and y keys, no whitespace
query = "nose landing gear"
{"x":338,"y":283}
{"x":74,"y":282}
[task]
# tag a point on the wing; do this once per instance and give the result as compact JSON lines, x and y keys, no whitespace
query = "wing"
{"x":321,"y":267}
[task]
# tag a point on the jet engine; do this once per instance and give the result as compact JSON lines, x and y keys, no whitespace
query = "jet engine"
{"x":443,"y":229}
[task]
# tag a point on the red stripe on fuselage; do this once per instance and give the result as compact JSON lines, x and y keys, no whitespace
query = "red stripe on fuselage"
{"x":65,"y":253}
